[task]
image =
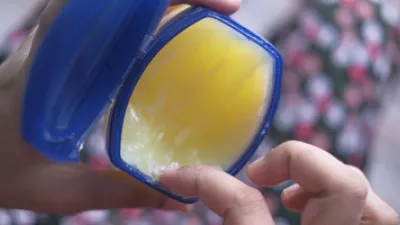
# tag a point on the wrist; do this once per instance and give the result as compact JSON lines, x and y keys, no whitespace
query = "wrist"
{"x":14,"y":69}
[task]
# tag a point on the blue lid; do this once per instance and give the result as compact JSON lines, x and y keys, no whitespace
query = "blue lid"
{"x":79,"y":68}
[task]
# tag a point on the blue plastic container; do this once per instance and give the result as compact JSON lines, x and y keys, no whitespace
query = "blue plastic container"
{"x":92,"y":55}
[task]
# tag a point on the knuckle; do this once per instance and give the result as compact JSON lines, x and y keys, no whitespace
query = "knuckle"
{"x":199,"y":173}
{"x":195,"y":172}
{"x":289,"y":150}
{"x":248,"y":199}
{"x":356,"y":172}
{"x":391,"y":217}
{"x":296,"y":150}
{"x":358,"y":186}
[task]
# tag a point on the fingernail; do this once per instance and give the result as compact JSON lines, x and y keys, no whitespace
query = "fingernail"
{"x":256,"y":164}
{"x":291,"y":191}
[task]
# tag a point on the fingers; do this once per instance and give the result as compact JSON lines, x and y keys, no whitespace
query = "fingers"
{"x":339,"y":193}
{"x":377,"y":212}
{"x":295,"y":198}
{"x":236,"y":202}
{"x":67,"y":189}
{"x":315,"y":170}
{"x":223,"y":6}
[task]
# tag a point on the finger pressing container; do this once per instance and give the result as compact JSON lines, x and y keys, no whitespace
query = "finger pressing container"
{"x":195,"y":88}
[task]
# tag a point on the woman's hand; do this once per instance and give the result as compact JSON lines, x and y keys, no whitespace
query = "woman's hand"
{"x":29,"y":181}
{"x":327,"y":192}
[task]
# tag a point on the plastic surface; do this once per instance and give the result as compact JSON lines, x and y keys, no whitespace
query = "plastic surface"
{"x":79,"y":68}
{"x":168,"y":32}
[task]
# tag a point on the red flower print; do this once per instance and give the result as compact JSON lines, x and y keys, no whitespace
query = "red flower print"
{"x":323,"y":103}
{"x":303,"y":131}
{"x":311,"y":29}
{"x":369,"y":90}
{"x":311,"y":65}
{"x":130,"y":214}
{"x":165,"y":217}
{"x":357,"y":73}
{"x":365,"y":10}
{"x":352,"y":97}
{"x":348,"y":3}
{"x":321,"y":140}
{"x":294,"y":55}
{"x":290,"y":81}
{"x":344,"y":18}
{"x":374,"y":50}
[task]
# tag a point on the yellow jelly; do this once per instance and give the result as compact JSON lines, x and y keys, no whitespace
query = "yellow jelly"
{"x":200,"y":101}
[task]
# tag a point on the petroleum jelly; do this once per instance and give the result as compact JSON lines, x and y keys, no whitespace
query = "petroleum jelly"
{"x":199,"y":101}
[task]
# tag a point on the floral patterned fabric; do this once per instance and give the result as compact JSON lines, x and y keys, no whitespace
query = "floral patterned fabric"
{"x":340,"y":56}
{"x":340,"y":59}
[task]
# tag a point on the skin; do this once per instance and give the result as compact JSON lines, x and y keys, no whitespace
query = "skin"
{"x":29,"y":181}
{"x":327,"y":192}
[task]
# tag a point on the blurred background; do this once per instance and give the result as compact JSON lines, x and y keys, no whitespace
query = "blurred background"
{"x":340,"y":92}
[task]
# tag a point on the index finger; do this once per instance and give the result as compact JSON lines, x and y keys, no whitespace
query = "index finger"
{"x":338,"y":193}
{"x":231,"y":199}
{"x":314,"y":169}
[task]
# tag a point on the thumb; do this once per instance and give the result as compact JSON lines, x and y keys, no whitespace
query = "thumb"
{"x":14,"y":70}
{"x":66,"y":189}
{"x":226,"y":6}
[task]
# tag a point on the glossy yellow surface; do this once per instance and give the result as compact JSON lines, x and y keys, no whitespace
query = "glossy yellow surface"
{"x":200,"y":101}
